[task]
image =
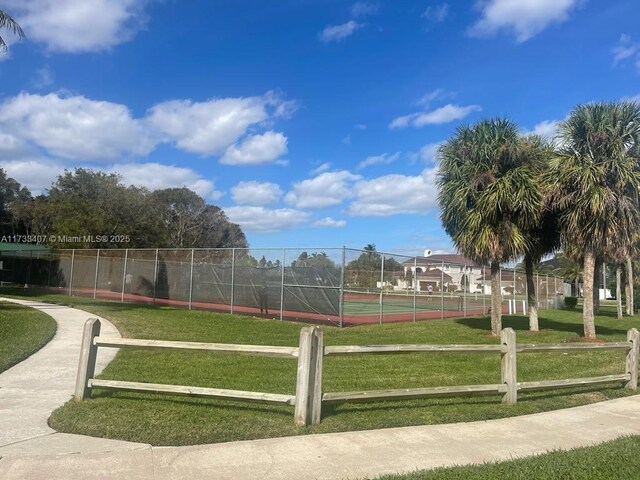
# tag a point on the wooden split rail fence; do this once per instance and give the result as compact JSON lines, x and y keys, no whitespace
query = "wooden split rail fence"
{"x":308,"y":398}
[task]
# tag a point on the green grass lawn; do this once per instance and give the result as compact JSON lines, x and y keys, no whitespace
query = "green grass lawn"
{"x":171,"y":420}
{"x":617,"y":459}
{"x":23,"y":331}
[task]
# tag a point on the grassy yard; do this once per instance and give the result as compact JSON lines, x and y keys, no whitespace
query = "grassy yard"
{"x":615,"y":459}
{"x":170,"y":420}
{"x":23,"y":331}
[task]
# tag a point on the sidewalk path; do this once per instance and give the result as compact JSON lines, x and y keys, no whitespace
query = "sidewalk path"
{"x":46,"y":380}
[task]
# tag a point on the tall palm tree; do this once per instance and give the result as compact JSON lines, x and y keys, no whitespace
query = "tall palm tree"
{"x":7,"y":22}
{"x":595,"y":184}
{"x":487,"y":194}
{"x":544,"y":236}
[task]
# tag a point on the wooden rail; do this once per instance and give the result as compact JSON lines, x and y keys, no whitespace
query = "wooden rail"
{"x":357,"y":349}
{"x":259,"y":397}
{"x":410,"y":393}
{"x":308,"y":398}
{"x":262,"y":350}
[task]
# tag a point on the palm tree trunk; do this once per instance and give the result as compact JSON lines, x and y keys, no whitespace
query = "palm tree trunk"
{"x":630,"y":305}
{"x":587,"y":310}
{"x":531,"y":294}
{"x":496,"y":300}
{"x":619,"y":291}
{"x":577,"y":283}
{"x":596,"y":286}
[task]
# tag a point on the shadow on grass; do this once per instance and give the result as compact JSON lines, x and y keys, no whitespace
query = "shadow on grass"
{"x":193,"y":401}
{"x":521,"y":323}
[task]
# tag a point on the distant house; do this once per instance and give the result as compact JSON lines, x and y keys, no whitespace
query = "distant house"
{"x":460,"y":273}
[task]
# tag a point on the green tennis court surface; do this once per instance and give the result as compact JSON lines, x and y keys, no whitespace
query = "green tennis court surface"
{"x":361,"y":303}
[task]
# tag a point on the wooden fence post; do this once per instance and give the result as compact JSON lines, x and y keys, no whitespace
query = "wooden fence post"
{"x":632,"y":359}
{"x":508,"y":366}
{"x":88,"y":353}
{"x":309,"y":380}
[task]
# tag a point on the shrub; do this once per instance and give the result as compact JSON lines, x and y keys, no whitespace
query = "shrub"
{"x":570,"y":302}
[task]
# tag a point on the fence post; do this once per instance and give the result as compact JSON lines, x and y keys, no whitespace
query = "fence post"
{"x":191,"y":280}
{"x":381,"y":286}
{"x":341,"y":300}
{"x":233,"y":278}
{"x":508,"y":366}
{"x":124,"y":273}
{"x":284,"y":257}
{"x":308,"y":406}
{"x":442,"y":291}
{"x":88,"y":353}
{"x":632,"y":359}
{"x":155,"y":276}
{"x":415,"y":285}
{"x":95,"y":281}
{"x":73,"y":258}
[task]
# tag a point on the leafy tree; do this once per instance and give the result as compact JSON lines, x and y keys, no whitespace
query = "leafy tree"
{"x":8,"y":23}
{"x":190,"y":223}
{"x":488,"y":197}
{"x":595,"y":183}
{"x":9,"y":191}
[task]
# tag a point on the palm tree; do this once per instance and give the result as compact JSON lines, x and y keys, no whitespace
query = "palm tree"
{"x":570,"y":268}
{"x":544,"y":236}
{"x":487,"y":194}
{"x":595,"y":184}
{"x":8,"y":23}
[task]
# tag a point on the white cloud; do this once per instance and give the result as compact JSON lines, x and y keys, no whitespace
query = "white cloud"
{"x":322,"y":168}
{"x":335,"y":33}
{"x":35,"y":173}
{"x":257,"y":150}
{"x":206,"y":127}
{"x":395,"y":194}
{"x":43,"y":78}
{"x":329,"y":222}
{"x":437,"y":94}
{"x":547,"y":129}
{"x":347,"y":140}
{"x":325,"y":190}
{"x":445,"y":114}
{"x":75,"y":127}
{"x":361,"y":126}
{"x":360,"y":9}
{"x":429,"y":151}
{"x":260,"y":219}
{"x":79,"y":26}
{"x":155,"y":176}
{"x":436,"y":13}
{"x":626,"y":49}
{"x":256,"y":193}
{"x":525,"y":18}
{"x":383,"y":159}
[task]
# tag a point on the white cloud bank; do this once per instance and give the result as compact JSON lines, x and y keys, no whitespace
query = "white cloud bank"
{"x":524,"y":18}
{"x":76,"y":26}
{"x":447,"y":113}
{"x":336,"y":33}
{"x":325,"y":190}
{"x":78,"y":128}
{"x":261,"y":219}
{"x":395,"y":194}
{"x":256,"y":193}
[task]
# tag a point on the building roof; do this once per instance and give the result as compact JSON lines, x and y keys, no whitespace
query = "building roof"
{"x":439,"y":258}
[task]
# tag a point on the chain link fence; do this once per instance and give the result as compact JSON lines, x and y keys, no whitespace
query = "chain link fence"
{"x":341,"y":286}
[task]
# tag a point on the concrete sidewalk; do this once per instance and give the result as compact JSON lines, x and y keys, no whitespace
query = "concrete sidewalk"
{"x":329,"y":456}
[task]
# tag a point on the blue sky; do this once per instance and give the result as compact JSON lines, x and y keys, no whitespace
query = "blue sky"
{"x":310,"y":122}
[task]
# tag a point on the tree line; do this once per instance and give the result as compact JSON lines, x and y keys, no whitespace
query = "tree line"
{"x":504,"y":196}
{"x":88,"y":203}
